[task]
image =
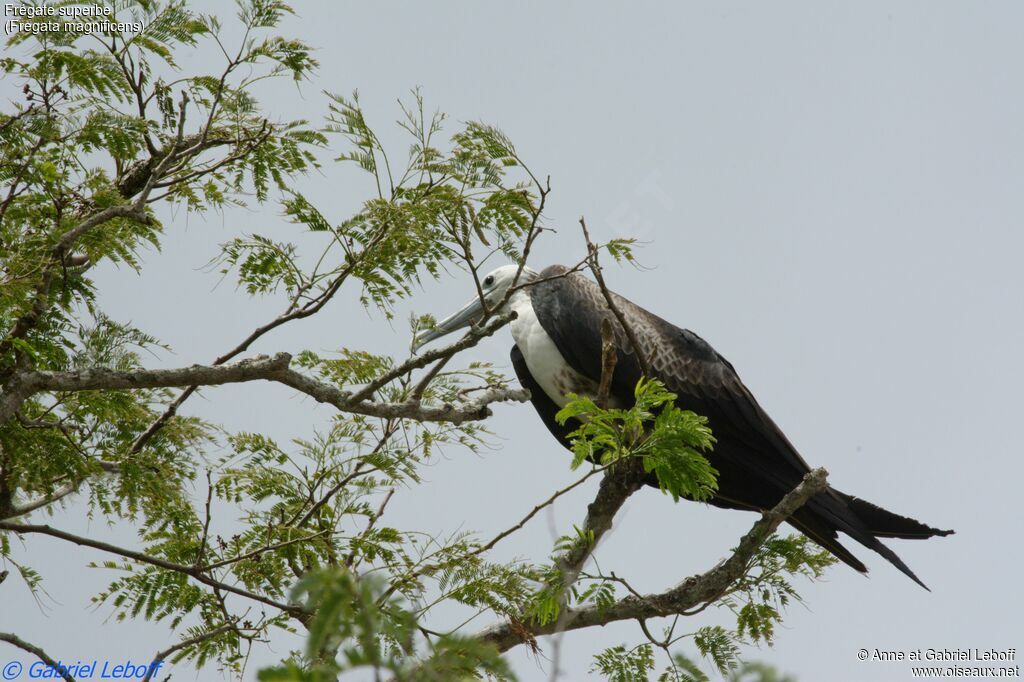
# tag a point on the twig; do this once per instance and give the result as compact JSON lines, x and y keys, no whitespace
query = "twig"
{"x":608,"y":360}
{"x":357,"y":470}
{"x":421,"y":387}
{"x":304,"y":519}
{"x":475,"y":334}
{"x":261,"y":550}
{"x":595,"y":267}
{"x":533,"y":512}
{"x":350,"y":559}
{"x":201,"y":554}
{"x":191,"y":571}
{"x":13,"y":511}
{"x":161,"y":656}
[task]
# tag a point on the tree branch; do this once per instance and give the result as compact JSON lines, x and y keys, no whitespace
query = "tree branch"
{"x":688,"y":594}
{"x":191,"y":571}
{"x":621,"y":480}
{"x":11,"y":511}
{"x":135,"y":211}
{"x":25,"y":384}
{"x":475,"y":334}
{"x":293,"y":312}
{"x":595,"y":267}
{"x":45,"y":501}
{"x":533,"y":512}
{"x":35,"y":651}
{"x":609,"y":358}
{"x":255,"y":554}
{"x":470,"y":410}
{"x":161,"y":656}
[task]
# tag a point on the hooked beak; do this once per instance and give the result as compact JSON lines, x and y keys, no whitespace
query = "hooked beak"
{"x":469,"y":314}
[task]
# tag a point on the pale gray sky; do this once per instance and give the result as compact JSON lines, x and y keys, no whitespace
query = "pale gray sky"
{"x":831,"y":194}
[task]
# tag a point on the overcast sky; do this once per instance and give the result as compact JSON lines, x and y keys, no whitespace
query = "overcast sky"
{"x":831,"y":194}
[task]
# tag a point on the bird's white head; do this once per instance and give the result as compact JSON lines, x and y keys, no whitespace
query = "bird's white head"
{"x":494,"y":286}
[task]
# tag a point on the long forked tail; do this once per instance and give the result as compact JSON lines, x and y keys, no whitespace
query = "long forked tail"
{"x":885,"y":524}
{"x":834,"y":511}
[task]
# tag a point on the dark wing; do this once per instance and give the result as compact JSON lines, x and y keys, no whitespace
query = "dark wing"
{"x":570,"y":308}
{"x":547,"y":409}
{"x":757,"y":464}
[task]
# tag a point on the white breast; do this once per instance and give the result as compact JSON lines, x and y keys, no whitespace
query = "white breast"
{"x":546,"y":364}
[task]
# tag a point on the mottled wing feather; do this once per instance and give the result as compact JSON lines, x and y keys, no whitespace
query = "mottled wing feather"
{"x":570,"y":308}
{"x":757,"y":464}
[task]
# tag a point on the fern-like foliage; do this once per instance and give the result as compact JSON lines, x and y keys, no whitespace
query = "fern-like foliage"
{"x":669,"y":440}
{"x":239,"y":534}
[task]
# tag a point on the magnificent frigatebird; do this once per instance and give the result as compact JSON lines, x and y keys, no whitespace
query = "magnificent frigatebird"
{"x":558,"y":349}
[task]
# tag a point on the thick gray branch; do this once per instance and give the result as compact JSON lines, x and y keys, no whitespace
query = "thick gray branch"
{"x":622,"y":480}
{"x":103,"y":378}
{"x":472,"y":410}
{"x":11,"y":638}
{"x":25,"y":384}
{"x":687,"y":595}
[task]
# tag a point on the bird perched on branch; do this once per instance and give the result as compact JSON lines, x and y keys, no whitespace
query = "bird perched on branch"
{"x":558,"y":351}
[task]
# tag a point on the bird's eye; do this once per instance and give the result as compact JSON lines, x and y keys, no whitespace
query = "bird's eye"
{"x":489,"y":280}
